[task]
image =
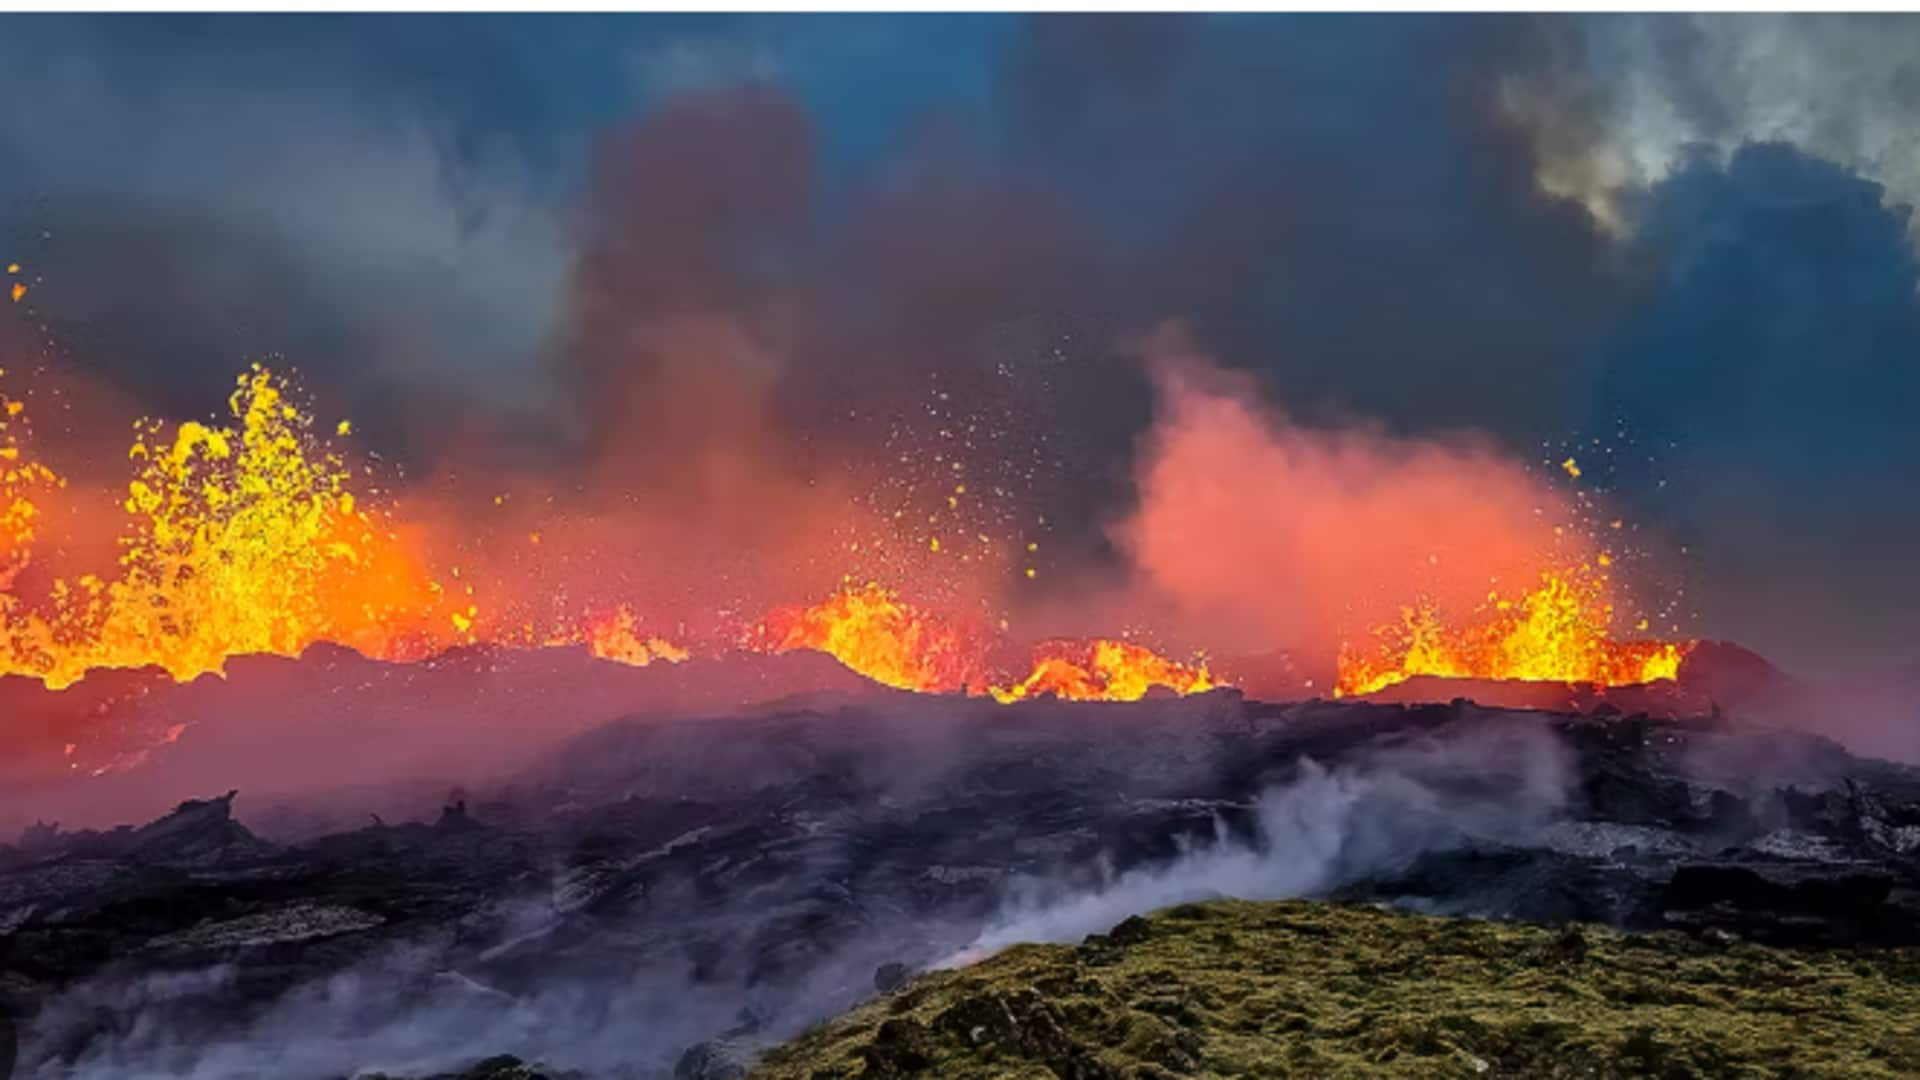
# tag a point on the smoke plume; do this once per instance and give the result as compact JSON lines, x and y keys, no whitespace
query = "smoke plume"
{"x":1272,"y":534}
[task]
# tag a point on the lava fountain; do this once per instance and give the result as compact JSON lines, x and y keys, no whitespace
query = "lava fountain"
{"x":250,"y":537}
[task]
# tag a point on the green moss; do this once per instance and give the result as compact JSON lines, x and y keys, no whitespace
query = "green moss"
{"x":1299,"y":989}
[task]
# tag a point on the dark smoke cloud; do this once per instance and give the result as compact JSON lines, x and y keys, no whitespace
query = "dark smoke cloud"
{"x":1335,"y":203}
{"x":191,"y":195}
{"x":641,"y":241}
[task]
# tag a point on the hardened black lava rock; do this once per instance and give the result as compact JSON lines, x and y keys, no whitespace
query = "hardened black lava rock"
{"x":724,"y":883}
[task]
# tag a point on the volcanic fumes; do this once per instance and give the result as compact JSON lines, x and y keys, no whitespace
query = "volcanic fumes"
{"x":1394,"y":557}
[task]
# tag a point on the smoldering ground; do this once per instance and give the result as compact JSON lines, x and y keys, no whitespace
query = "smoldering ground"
{"x":405,"y":1012}
{"x":657,"y":886}
{"x":414,"y":1009}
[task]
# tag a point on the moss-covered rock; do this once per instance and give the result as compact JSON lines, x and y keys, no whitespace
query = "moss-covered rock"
{"x":1299,"y":989}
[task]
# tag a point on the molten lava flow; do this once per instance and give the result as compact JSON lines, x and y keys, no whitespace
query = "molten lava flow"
{"x":1559,"y":632}
{"x":871,"y":630}
{"x":617,"y":637}
{"x":1103,"y":670}
{"x":245,"y":539}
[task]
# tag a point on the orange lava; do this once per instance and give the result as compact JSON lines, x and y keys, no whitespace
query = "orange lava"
{"x":240,"y":539}
{"x":1557,"y":632}
{"x":1103,"y":670}
{"x":617,"y":637}
{"x":23,"y":484}
{"x":874,"y":632}
{"x":249,"y":538}
{"x":871,"y":630}
{"x":254,"y":535}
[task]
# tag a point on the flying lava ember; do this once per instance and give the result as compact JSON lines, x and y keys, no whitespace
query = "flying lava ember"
{"x":256,"y":535}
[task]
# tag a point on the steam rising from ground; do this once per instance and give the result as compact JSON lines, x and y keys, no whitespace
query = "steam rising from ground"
{"x":406,"y":1014}
{"x":1323,"y":829}
{"x":417,"y":1007}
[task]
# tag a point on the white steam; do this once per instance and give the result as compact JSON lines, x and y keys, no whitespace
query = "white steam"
{"x":1324,"y":829}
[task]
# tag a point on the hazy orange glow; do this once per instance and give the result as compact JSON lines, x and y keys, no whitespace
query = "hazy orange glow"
{"x":1376,"y":550}
{"x":1557,"y":632}
{"x":255,"y":536}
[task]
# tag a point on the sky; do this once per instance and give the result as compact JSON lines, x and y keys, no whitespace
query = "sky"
{"x":1688,"y":238}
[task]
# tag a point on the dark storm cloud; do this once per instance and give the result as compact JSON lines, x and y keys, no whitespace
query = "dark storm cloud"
{"x":723,"y":287}
{"x":1774,"y":368}
{"x":190,"y":196}
{"x":1353,"y":208}
{"x":1337,"y":203}
{"x":1340,"y":205}
{"x":391,"y":204}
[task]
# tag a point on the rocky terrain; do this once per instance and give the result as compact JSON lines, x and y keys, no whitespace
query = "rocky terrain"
{"x":658,"y":898}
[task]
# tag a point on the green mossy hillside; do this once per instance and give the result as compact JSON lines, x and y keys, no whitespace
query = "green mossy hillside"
{"x":1301,"y":989}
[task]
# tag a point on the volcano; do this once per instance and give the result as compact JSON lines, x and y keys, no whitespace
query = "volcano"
{"x":562,"y":548}
{"x":298,"y":795}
